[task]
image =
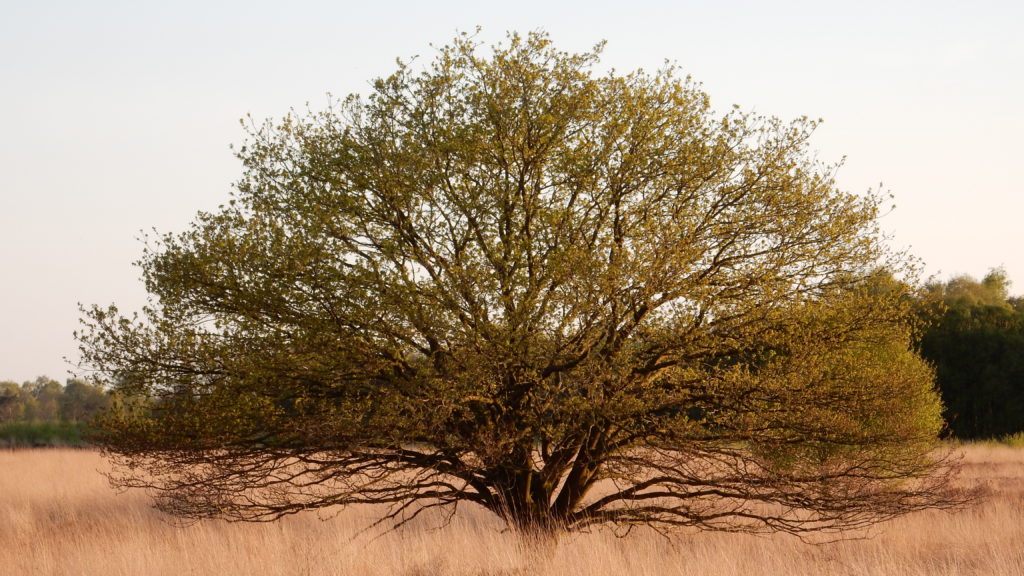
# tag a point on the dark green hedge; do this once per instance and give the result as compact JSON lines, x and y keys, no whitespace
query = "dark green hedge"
{"x":40,"y":434}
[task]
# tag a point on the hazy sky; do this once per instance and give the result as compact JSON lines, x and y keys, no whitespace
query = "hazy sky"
{"x":116,"y":117}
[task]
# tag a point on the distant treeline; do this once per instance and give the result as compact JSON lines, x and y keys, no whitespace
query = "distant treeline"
{"x":44,"y":412}
{"x":973,"y":334}
{"x":975,"y":340}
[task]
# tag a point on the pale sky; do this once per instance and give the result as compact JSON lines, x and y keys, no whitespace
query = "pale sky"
{"x":116,"y":117}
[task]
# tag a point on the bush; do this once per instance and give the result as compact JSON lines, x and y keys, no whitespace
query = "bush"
{"x":40,"y":434}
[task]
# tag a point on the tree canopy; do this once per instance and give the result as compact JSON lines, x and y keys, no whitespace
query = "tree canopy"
{"x":503,"y":279}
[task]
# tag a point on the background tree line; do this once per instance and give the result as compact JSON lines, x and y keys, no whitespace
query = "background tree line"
{"x":45,"y":412}
{"x":974,"y":337}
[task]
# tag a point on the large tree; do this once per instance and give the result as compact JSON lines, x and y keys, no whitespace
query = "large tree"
{"x":505,"y":280}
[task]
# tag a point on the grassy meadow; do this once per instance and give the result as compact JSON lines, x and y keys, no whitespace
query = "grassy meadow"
{"x":59,"y":517}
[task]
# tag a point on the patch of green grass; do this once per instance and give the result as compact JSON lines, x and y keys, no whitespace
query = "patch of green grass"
{"x":1015,"y":440}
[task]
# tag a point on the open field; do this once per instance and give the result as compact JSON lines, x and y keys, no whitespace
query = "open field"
{"x":59,"y":517}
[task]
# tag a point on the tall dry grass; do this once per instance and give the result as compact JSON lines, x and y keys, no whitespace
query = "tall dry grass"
{"x":58,"y":517}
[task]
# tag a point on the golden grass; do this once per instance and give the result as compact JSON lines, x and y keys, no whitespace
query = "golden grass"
{"x":59,"y":517}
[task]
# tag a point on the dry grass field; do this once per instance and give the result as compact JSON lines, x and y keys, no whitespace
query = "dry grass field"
{"x":58,"y":517}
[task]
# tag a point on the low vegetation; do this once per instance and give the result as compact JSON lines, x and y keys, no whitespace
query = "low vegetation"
{"x":38,"y":434}
{"x":58,"y":516}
